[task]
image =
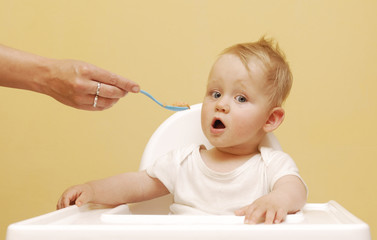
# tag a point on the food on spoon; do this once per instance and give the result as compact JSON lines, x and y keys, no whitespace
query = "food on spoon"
{"x":179,"y":104}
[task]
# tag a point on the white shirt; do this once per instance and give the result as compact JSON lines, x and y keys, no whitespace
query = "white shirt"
{"x":198,"y":189}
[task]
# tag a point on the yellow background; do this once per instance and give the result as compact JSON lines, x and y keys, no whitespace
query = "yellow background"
{"x":168,"y":47}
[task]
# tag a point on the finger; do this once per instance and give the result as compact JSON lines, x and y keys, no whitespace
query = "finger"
{"x":63,"y":202}
{"x":241,"y":211}
{"x":58,"y":205}
{"x":107,"y":91}
{"x":86,"y":102}
{"x":254,"y":217}
{"x":103,"y":103}
{"x":109,"y":78}
{"x":82,"y":199}
{"x":280,"y":216}
{"x":66,"y":202}
{"x":270,"y":216}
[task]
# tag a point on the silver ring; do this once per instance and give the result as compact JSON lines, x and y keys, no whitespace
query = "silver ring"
{"x":95,"y":101}
{"x":98,"y":88}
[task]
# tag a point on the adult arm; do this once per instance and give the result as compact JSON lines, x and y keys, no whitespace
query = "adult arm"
{"x":71,"y":82}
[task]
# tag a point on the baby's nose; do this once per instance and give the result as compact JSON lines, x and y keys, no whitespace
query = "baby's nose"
{"x":222,"y":107}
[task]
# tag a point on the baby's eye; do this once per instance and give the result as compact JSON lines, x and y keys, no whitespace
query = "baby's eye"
{"x":216,"y":95}
{"x":241,"y":98}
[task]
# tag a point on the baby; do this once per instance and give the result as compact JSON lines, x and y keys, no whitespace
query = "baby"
{"x":243,"y":102}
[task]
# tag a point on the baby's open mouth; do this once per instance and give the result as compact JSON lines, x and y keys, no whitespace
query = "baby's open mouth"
{"x":218,"y":124}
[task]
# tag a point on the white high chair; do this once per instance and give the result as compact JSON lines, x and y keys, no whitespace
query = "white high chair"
{"x":149,"y":219}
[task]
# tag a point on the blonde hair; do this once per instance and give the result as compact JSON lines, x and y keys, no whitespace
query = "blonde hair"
{"x":279,"y":76}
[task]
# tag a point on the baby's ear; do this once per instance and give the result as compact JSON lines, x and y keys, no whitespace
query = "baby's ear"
{"x":275,"y":119}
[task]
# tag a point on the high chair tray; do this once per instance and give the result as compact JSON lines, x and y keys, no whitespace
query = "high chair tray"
{"x":327,"y":221}
{"x":124,"y":214}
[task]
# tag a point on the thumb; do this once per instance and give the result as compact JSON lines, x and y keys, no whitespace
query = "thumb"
{"x":241,"y":211}
{"x":82,"y":199}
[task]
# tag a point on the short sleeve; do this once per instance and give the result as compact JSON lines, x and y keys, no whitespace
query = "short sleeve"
{"x":278,"y":164}
{"x":166,"y":168}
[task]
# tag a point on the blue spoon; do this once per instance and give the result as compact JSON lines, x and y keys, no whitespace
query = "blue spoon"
{"x":172,"y":108}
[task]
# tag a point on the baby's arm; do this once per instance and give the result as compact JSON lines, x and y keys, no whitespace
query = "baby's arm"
{"x":116,"y":190}
{"x":288,"y":196}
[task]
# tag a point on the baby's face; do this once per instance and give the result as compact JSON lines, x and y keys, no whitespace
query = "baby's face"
{"x":235,"y":107}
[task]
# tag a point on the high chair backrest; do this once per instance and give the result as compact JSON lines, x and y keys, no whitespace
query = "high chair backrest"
{"x":180,"y":129}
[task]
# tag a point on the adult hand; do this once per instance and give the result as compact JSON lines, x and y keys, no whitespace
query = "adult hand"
{"x":75,"y":84}
{"x":71,"y":82}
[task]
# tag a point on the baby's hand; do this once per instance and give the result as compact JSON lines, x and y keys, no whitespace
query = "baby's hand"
{"x":79,"y":195}
{"x":267,"y":209}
